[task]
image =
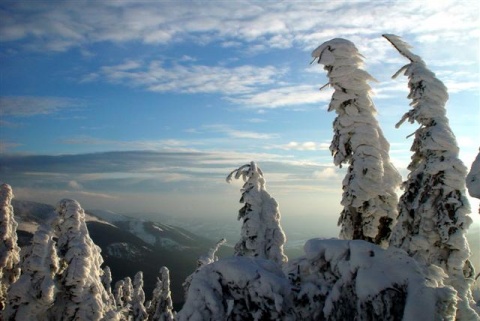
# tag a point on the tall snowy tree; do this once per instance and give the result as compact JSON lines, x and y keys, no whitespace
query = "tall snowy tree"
{"x":341,"y":280}
{"x":138,"y":299}
{"x":9,"y":250}
{"x":81,"y":294}
{"x":261,"y":236}
{"x":161,"y":306}
{"x":433,"y":210}
{"x":369,"y":200}
{"x":31,"y":297}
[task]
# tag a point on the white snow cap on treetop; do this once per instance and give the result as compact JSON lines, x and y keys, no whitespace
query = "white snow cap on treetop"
{"x":325,"y":52}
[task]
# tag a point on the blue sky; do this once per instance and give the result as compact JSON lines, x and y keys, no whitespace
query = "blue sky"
{"x":146,"y":106}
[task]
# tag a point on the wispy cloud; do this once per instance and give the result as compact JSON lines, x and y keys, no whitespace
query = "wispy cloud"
{"x":271,"y":25}
{"x":30,"y":105}
{"x":302,"y":146}
{"x":283,"y":96}
{"x":155,"y":76}
{"x":234,"y":133}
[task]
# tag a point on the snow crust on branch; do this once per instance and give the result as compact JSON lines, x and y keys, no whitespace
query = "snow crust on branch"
{"x":347,"y":280}
{"x":369,"y":197}
{"x":261,"y":235}
{"x":9,"y":250}
{"x":433,"y":210}
{"x":238,"y":288}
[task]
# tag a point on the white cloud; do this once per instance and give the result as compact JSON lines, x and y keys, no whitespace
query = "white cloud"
{"x":191,"y":78}
{"x":234,"y":133}
{"x":305,"y":146}
{"x":283,"y":97}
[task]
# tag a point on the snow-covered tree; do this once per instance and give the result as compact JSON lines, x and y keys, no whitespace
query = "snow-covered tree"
{"x":107,"y":284}
{"x":161,"y":306}
{"x":138,"y":299}
{"x":433,"y":210}
{"x":261,"y":236}
{"x":81,"y":294}
{"x":118,"y":294}
{"x":9,"y":250}
{"x":238,"y":288}
{"x":473,"y":179}
{"x":369,"y":200}
{"x":341,"y":280}
{"x":31,"y":297}
{"x":123,"y":297}
{"x":203,"y":260}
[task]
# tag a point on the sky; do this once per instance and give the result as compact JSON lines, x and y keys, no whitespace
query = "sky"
{"x":146,"y":106}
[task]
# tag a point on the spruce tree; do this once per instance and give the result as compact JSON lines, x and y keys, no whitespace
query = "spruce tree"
{"x":369,"y":200}
{"x":433,"y":209}
{"x":9,"y":250}
{"x":31,"y":297}
{"x":81,"y":294}
{"x":138,"y":299}
{"x":261,"y":236}
{"x":473,"y":179}
{"x":161,"y":308}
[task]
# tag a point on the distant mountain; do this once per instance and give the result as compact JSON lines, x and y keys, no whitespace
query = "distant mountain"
{"x":129,"y":244}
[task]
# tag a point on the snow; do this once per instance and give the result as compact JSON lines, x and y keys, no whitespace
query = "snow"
{"x":336,"y":276}
{"x":257,"y":288}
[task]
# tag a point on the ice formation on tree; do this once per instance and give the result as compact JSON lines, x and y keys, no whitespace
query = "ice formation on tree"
{"x":31,"y":297}
{"x":81,"y":294}
{"x":261,"y":236}
{"x":161,"y":306}
{"x":238,"y":288}
{"x":138,"y":299}
{"x":433,"y":210}
{"x":9,"y":250}
{"x":355,"y":280}
{"x":369,"y":200}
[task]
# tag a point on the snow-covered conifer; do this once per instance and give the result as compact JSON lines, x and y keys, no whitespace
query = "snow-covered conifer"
{"x":261,"y":236}
{"x":107,"y":284}
{"x":161,"y":307}
{"x":118,"y":294}
{"x":81,"y":294}
{"x":138,"y":299}
{"x":341,"y":280}
{"x":473,"y":178}
{"x":31,"y":297}
{"x":9,"y":250}
{"x":433,"y":210}
{"x":203,"y":260}
{"x":238,"y":288}
{"x":369,"y":200}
